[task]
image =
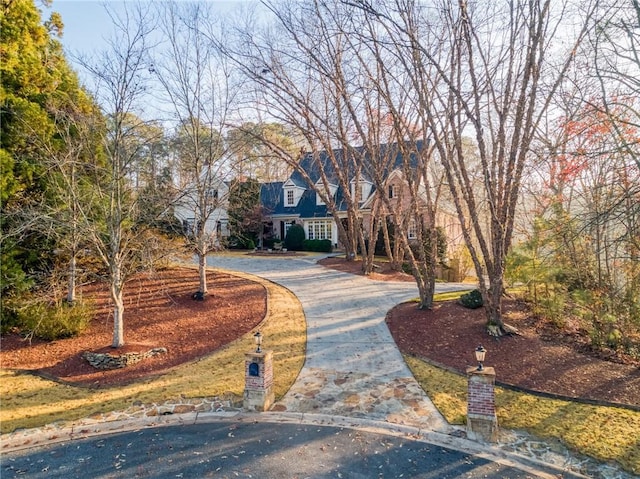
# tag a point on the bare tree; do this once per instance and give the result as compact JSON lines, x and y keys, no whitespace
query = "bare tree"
{"x":302,"y":72}
{"x":499,"y":66}
{"x":616,"y":48}
{"x":312,"y":73}
{"x":72,"y":171}
{"x":402,"y":86}
{"x":328,"y":72}
{"x":253,"y":158}
{"x":201,"y":89}
{"x":119,"y":75}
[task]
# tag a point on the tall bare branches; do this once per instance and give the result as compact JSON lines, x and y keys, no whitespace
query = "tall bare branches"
{"x":201,"y":90}
{"x":120,"y":82}
{"x":497,"y":68}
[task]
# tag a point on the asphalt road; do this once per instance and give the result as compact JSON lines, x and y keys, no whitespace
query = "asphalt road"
{"x":250,"y":450}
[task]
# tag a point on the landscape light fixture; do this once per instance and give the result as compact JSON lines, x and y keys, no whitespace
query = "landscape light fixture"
{"x":480,"y":352}
{"x":258,"y":339}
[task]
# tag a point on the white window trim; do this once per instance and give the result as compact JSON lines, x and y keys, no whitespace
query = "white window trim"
{"x":289,"y":197}
{"x":320,"y":229}
{"x":412,"y":230}
{"x":320,"y":187}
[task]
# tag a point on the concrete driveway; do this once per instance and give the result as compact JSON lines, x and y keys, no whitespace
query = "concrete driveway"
{"x":353,"y":367}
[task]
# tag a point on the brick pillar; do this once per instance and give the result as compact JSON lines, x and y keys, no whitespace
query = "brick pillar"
{"x":482,"y":422}
{"x":258,"y":374}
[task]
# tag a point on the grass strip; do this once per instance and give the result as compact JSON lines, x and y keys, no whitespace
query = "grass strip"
{"x":602,"y":432}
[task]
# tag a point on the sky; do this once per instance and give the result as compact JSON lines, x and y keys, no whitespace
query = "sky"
{"x":87,"y":23}
{"x":88,"y":28}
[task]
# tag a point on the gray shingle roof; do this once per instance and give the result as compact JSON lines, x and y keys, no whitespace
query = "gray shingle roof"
{"x":272,"y":197}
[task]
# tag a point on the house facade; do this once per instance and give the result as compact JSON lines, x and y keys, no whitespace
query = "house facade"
{"x":213,"y":208}
{"x":298,"y":201}
{"x":288,"y":203}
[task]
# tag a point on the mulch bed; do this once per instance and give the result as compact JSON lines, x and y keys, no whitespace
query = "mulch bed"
{"x":538,"y":359}
{"x":159,"y":312}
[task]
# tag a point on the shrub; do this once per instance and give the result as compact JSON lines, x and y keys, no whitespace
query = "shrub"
{"x":240,"y":242}
{"x":294,"y":240}
{"x":8,"y":318}
{"x":325,"y":246}
{"x":551,"y":305}
{"x":234,"y":242}
{"x":322,"y":246}
{"x":267,"y":243}
{"x":54,"y":321}
{"x":472,"y":299}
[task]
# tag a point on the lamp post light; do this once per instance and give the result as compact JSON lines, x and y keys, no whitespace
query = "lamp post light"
{"x":258,"y":377}
{"x":482,"y":421}
{"x":480,"y":352}
{"x":258,"y":340}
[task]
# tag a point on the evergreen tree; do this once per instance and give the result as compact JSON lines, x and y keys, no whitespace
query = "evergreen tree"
{"x":37,"y":84}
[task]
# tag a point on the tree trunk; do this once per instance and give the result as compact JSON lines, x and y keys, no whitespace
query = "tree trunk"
{"x":361,"y":240}
{"x":398,"y":254}
{"x":395,"y":266}
{"x":424,"y":275}
{"x":71,"y":285}
{"x":367,"y":256}
{"x":202,"y":272}
{"x":118,"y":315}
{"x":350,"y":240}
{"x":427,"y":268}
{"x":426,"y":289}
{"x":492,"y":298}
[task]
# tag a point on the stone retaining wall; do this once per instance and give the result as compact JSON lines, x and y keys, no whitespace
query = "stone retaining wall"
{"x":118,"y":361}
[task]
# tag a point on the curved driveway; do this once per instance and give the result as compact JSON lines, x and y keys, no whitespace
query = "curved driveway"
{"x":354,"y":411}
{"x":353,"y":367}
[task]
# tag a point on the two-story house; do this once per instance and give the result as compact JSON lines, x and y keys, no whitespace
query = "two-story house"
{"x":296,"y":200}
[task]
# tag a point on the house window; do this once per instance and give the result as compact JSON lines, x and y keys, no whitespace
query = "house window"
{"x":319,"y":229}
{"x":393,"y":191}
{"x":287,"y":225}
{"x":330,"y":194}
{"x":412,"y":230}
{"x":189,"y":226}
{"x":212,"y":194}
{"x":358,"y":192}
{"x":289,"y":198}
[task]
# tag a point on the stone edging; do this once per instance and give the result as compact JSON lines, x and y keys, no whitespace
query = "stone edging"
{"x":119,"y":361}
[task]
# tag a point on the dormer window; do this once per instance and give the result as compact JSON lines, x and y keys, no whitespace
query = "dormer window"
{"x":289,"y":198}
{"x":291,"y":194}
{"x":320,"y":187}
{"x":360,"y":190}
